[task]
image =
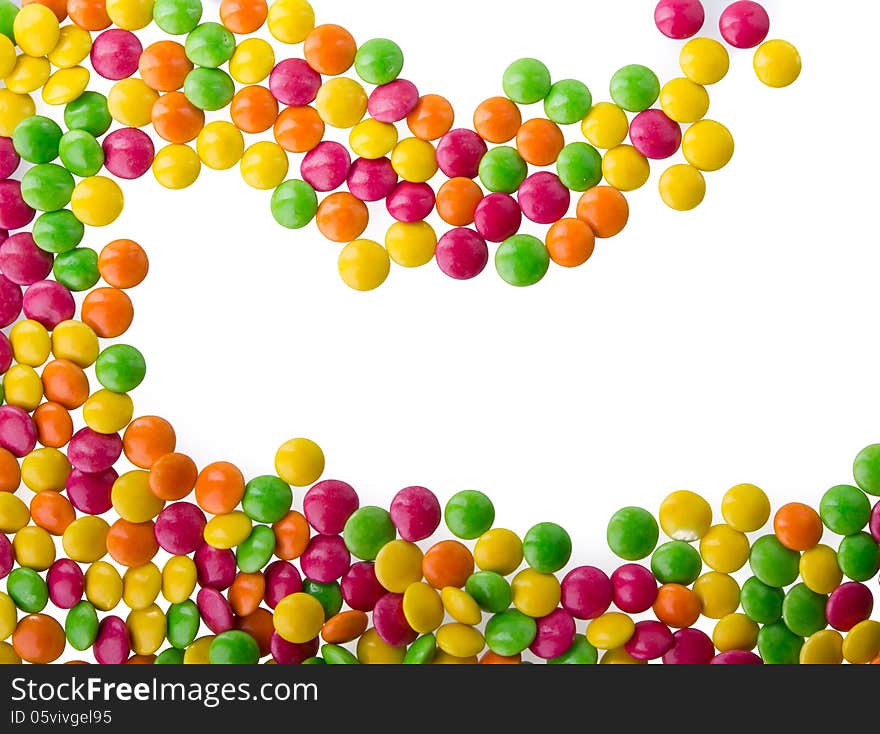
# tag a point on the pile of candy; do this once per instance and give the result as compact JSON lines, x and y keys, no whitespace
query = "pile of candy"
{"x":362,"y":576}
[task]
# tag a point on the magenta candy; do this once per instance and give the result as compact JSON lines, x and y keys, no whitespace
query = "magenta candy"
{"x":115,"y":54}
{"x":10,"y":301}
{"x":650,"y":640}
{"x":394,"y":101}
{"x":282,"y":579}
{"x":555,"y":635}
{"x":462,"y":253}
{"x":48,"y":303}
{"x":371,"y":180}
{"x":849,"y":604}
{"x":497,"y":217}
{"x":325,"y":559}
{"x":635,"y":588}
{"x":90,"y":492}
{"x":415,"y":512}
{"x":179,"y":527}
{"x":736,"y":657}
{"x":360,"y":587}
{"x":655,"y":135}
{"x":18,"y":434}
{"x":543,"y":198}
{"x":586,"y":592}
{"x":679,"y":19}
{"x":390,"y":621}
{"x":66,"y":583}
{"x":9,"y":158}
{"x":112,"y":646}
{"x":14,"y":211}
{"x":293,"y":82}
{"x":215,"y":567}
{"x":128,"y":152}
{"x":215,"y":610}
{"x":291,"y":653}
{"x":325,"y":167}
{"x":459,"y":153}
{"x":874,"y":523}
{"x":744,"y":24}
{"x":5,"y":353}
{"x":328,"y":505}
{"x":690,"y":647}
{"x":22,"y":261}
{"x":7,"y":556}
{"x":94,"y":452}
{"x":410,"y":202}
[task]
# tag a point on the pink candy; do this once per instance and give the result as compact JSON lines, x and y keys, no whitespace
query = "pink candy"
{"x":179,"y":528}
{"x":282,"y":579}
{"x":66,"y":583}
{"x":497,"y":217}
{"x":90,"y":492}
{"x":128,"y":152}
{"x":7,"y":556}
{"x":48,"y":303}
{"x":9,"y":158}
{"x":650,"y":640}
{"x":737,"y":657}
{"x":543,"y":198}
{"x":462,"y":254}
{"x":94,"y":452}
{"x":10,"y":301}
{"x":874,"y":523}
{"x":415,"y":512}
{"x":325,"y":559}
{"x":554,"y":636}
{"x":394,"y":101}
{"x":744,"y":24}
{"x":216,"y":612}
{"x":112,"y":645}
{"x":655,"y":135}
{"x":459,"y":153}
{"x":5,"y":353}
{"x":215,"y":567}
{"x":328,"y":505}
{"x":14,"y":211}
{"x":586,"y":592}
{"x":360,"y":587}
{"x":849,"y":604}
{"x":690,"y":647}
{"x":293,"y":82}
{"x":679,"y":19}
{"x":410,"y":202}
{"x":390,"y":621}
{"x":372,"y":180}
{"x":290,"y":653}
{"x":635,"y":588}
{"x":18,"y":434}
{"x":115,"y":54}
{"x":325,"y":167}
{"x":22,"y":261}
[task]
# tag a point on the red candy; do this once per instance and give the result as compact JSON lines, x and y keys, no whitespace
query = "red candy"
{"x":372,"y":180}
{"x":7,"y":556}
{"x":179,"y":528}
{"x":497,"y":217}
{"x":554,"y":636}
{"x":282,"y":579}
{"x":874,"y":523}
{"x":462,"y":254}
{"x":586,"y":592}
{"x":215,"y":610}
{"x":390,"y":621}
{"x":360,"y":587}
{"x":5,"y":353}
{"x":415,"y":512}
{"x":744,"y":24}
{"x":392,"y":102}
{"x":635,"y":588}
{"x":115,"y":54}
{"x":543,"y":198}
{"x":94,"y":452}
{"x":90,"y":492}
{"x":128,"y":152}
{"x":66,"y":583}
{"x":112,"y":646}
{"x":22,"y":261}
{"x":10,"y":301}
{"x":215,"y":567}
{"x":325,"y":559}
{"x":679,"y":19}
{"x":9,"y":158}
{"x":325,"y":167}
{"x":290,"y":653}
{"x":849,"y":604}
{"x":459,"y":153}
{"x":410,"y":202}
{"x":655,"y":135}
{"x":293,"y":82}
{"x":737,"y":657}
{"x":328,"y":505}
{"x":650,"y":640}
{"x":14,"y":212}
{"x":690,"y":647}
{"x":49,"y":303}
{"x":18,"y":434}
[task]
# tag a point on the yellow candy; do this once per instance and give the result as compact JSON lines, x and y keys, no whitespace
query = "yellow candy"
{"x":745,"y":507}
{"x":411,"y":244}
{"x":97,"y":201}
{"x":34,"y":548}
{"x":176,"y":166}
{"x":822,"y":648}
{"x":73,"y":46}
{"x":724,"y":549}
{"x":299,"y":462}
{"x":22,"y":387}
{"x":8,"y":611}
{"x":422,"y":608}
{"x":8,"y":655}
{"x":735,"y":632}
{"x":685,"y":516}
{"x":130,"y":15}
{"x":75,"y":341}
{"x":14,"y":514}
{"x":298,"y":618}
{"x":45,"y":469}
{"x":7,"y":56}
{"x":625,"y":168}
{"x":36,"y":29}
{"x":819,"y":569}
{"x":682,"y":187}
{"x":719,"y":594}
{"x":460,"y":605}
{"x":777,"y":63}
{"x":140,"y":586}
{"x":398,"y":565}
{"x":264,"y":165}
{"x":862,"y":643}
{"x":499,"y":550}
{"x":605,"y":125}
{"x":460,"y":640}
{"x":30,"y":342}
{"x":619,"y":656}
{"x":535,"y":594}
{"x":610,"y":631}
{"x":373,"y":650}
{"x":13,"y":109}
{"x":372,"y":139}
{"x":684,"y":101}
{"x":178,"y":579}
{"x":227,"y":531}
{"x":29,"y":74}
{"x":108,"y":412}
{"x":414,"y":160}
{"x":341,"y":102}
{"x":290,"y":21}
{"x":65,"y":85}
{"x":146,"y":629}
{"x":252,"y":61}
{"x":707,"y":145}
{"x":85,"y":539}
{"x":444,"y":658}
{"x":364,"y":265}
{"x":197,"y":653}
{"x":704,"y":61}
{"x":220,"y":145}
{"x":133,"y":499}
{"x":130,"y":102}
{"x":103,"y":586}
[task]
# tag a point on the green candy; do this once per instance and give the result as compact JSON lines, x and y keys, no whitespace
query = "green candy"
{"x":329,"y":594}
{"x":502,"y":170}
{"x":183,"y":623}
{"x":632,"y":533}
{"x":338,"y":655}
{"x":490,"y":590}
{"x":803,"y":610}
{"x":177,"y":17}
{"x":77,"y":270}
{"x":422,"y":651}
{"x":635,"y":88}
{"x":773,"y":563}
{"x":171,"y":656}
{"x":568,"y":102}
{"x":845,"y":509}
{"x":120,"y":368}
{"x":28,"y":590}
{"x":676,"y":562}
{"x":866,"y":469}
{"x":234,"y":647}
{"x":210,"y":45}
{"x":88,"y":112}
{"x":510,"y":632}
{"x":81,"y":626}
{"x":257,"y":549}
{"x":469,"y":514}
{"x":761,"y":603}
{"x":522,"y":260}
{"x":778,"y":645}
{"x":367,"y":531}
{"x":209,"y":89}
{"x":579,"y":166}
{"x":81,"y":153}
{"x":526,"y":81}
{"x":267,"y":499}
{"x":294,"y":204}
{"x":47,"y":187}
{"x":547,"y":547}
{"x":314,"y":661}
{"x":378,"y":61}
{"x":858,"y":556}
{"x":581,"y":652}
{"x":58,"y":231}
{"x":36,"y":139}
{"x":8,"y":11}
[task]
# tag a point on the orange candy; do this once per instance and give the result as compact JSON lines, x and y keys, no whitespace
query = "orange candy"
{"x":164,"y":65}
{"x":176,"y":119}
{"x":253,"y":109}
{"x":605,"y":209}
{"x":38,"y":638}
{"x":457,"y":201}
{"x":90,"y":15}
{"x":493,"y":658}
{"x":570,"y":242}
{"x":54,"y":425}
{"x":243,"y":16}
{"x":123,"y":264}
{"x":677,"y":606}
{"x":299,"y":129}
{"x":497,"y":120}
{"x":141,"y":660}
{"x":246,"y":593}
{"x":432,"y":117}
{"x":342,"y":217}
{"x":132,"y":544}
{"x":219,"y":488}
{"x":292,"y":534}
{"x":447,"y":563}
{"x":65,"y":383}
{"x":330,"y":49}
{"x":59,"y":7}
{"x":147,"y":439}
{"x":52,"y":511}
{"x":10,"y":472}
{"x":539,"y":142}
{"x":344,"y":627}
{"x":173,"y":476}
{"x":259,"y":625}
{"x":798,"y":526}
{"x":108,"y":311}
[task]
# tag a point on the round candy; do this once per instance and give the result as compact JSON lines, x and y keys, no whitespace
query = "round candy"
{"x":744,"y":24}
{"x":469,"y":514}
{"x":522,"y":260}
{"x":635,"y":88}
{"x":547,"y":548}
{"x":679,"y":19}
{"x":632,"y":533}
{"x":685,"y":516}
{"x":777,"y":64}
{"x":526,"y":81}
{"x":378,"y":61}
{"x":845,"y":509}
